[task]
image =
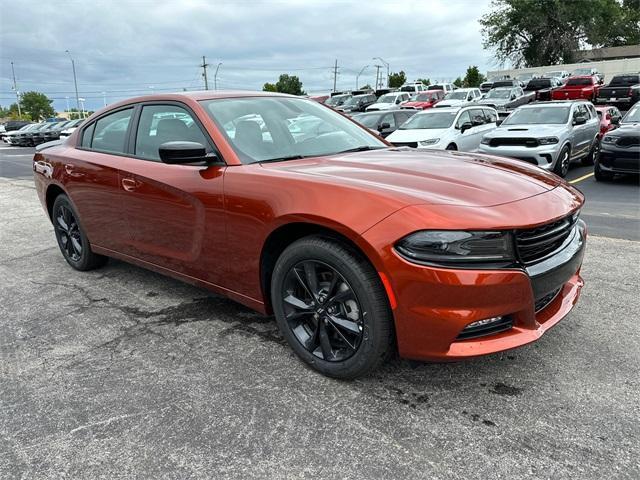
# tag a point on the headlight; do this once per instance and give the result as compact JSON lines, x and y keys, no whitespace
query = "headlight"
{"x":547,"y":140}
{"x":485,"y":141}
{"x":457,"y":248}
{"x":431,"y":141}
{"x":609,"y":139}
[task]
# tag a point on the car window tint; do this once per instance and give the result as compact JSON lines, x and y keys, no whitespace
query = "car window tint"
{"x":110,"y":132}
{"x":165,"y":123}
{"x":388,"y":118}
{"x":463,"y":118}
{"x":86,"y":136}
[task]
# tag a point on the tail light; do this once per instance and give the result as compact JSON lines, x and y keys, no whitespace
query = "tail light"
{"x":630,"y":92}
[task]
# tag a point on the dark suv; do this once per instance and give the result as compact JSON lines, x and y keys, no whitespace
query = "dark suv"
{"x":357,"y":103}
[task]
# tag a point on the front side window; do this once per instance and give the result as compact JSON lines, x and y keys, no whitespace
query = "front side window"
{"x":491,"y":116}
{"x":273,"y":128}
{"x":464,"y":117}
{"x":110,"y":132}
{"x":165,"y":123}
{"x":499,"y":93}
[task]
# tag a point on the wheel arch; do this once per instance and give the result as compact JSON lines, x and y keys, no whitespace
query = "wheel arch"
{"x":53,"y":191}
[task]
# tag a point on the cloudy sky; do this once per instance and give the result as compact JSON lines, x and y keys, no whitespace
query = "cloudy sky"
{"x":128,"y":48}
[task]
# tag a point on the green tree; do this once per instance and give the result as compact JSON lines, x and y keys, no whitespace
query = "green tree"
{"x":425,"y":81}
{"x":458,"y":82}
{"x":531,"y":33}
{"x":473,"y":78}
{"x":36,"y":105}
{"x":396,"y":80}
{"x":290,"y":84}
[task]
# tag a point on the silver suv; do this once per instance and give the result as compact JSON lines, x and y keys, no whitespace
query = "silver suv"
{"x":550,"y":135}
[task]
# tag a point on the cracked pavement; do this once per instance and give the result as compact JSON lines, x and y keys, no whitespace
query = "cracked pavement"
{"x":123,"y":373}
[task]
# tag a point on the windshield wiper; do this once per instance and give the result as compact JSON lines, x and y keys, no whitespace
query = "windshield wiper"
{"x":365,"y":148}
{"x":281,"y":159}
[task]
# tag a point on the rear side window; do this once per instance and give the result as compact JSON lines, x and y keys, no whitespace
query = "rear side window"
{"x":110,"y":132}
{"x":87,"y":135}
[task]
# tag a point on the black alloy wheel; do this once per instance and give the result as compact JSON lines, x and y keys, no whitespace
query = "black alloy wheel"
{"x":71,"y":238}
{"x":594,"y":153}
{"x":322,"y":311}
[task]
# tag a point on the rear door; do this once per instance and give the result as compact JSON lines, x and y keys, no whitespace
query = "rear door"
{"x":581,"y":133}
{"x":174,"y":213}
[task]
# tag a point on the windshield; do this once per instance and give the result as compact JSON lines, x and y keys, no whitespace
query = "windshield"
{"x":504,"y":83}
{"x":554,"y":74}
{"x":632,"y":116}
{"x":408,"y":88}
{"x":625,"y":80}
{"x":387,"y":99}
{"x":367,"y":119}
{"x":582,"y":71}
{"x":423,"y":97}
{"x":498,"y":93}
{"x":455,"y":96}
{"x":352,"y":101}
{"x":579,"y":81}
{"x":538,"y":116}
{"x":336,"y":100}
{"x":272,"y":128}
{"x":538,"y":83}
{"x":429,"y":120}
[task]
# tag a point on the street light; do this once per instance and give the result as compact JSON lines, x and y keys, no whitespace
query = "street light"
{"x":215,"y":77}
{"x":104,"y":99}
{"x":81,"y":102}
{"x":75,"y":80}
{"x":358,"y":76}
{"x":386,"y":65}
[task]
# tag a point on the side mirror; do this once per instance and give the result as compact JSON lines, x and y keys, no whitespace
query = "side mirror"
{"x":615,"y":120}
{"x":384,"y":126}
{"x":580,"y":120}
{"x":466,"y":126}
{"x":513,"y":96}
{"x":183,"y":152}
{"x":398,"y":101}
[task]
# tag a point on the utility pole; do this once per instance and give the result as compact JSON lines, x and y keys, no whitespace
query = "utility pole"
{"x":75,"y":80}
{"x":15,"y":87}
{"x":387,"y":65}
{"x":215,"y":77}
{"x":358,"y":76}
{"x":335,"y":75}
{"x":204,"y":73}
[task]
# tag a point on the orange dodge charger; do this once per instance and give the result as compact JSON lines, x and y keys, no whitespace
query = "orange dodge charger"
{"x":286,"y":206}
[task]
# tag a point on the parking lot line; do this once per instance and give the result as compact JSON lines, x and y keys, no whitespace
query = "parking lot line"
{"x":584,"y":177}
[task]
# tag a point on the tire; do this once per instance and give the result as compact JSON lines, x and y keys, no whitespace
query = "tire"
{"x":452,"y":146}
{"x":561,"y":167}
{"x":345,"y":329}
{"x":600,"y":175}
{"x":594,"y":153}
{"x":72,"y":239}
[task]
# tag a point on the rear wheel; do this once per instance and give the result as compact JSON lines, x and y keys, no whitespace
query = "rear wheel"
{"x":452,"y":146}
{"x":594,"y":153}
{"x":72,"y":240}
{"x":561,"y":167}
{"x":331,"y":308}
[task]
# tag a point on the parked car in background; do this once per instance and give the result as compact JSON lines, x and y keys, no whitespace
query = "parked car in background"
{"x":620,"y":148}
{"x":609,"y":118}
{"x":550,"y":135}
{"x":459,"y":97}
{"x":445,"y":87}
{"x":505,"y":99}
{"x":561,"y":74}
{"x":10,"y":135}
{"x":24,"y":139}
{"x":589,"y":71}
{"x":446,"y":128}
{"x":383,"y":123}
{"x":412,"y":88}
{"x":14,"y":125}
{"x":423,"y":100}
{"x":389,"y":101}
{"x":319,"y":98}
{"x":623,"y":90}
{"x":524,"y":78}
{"x":337,"y":100}
{"x":585,"y":87}
{"x":543,"y":87}
{"x":49,"y":134}
{"x":446,"y":257}
{"x":69,"y":129}
{"x":507,"y":82}
{"x":357,"y":103}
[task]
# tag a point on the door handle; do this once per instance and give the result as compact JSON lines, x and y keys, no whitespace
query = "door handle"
{"x":129,"y":184}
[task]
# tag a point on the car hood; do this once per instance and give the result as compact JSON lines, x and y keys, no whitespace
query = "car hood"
{"x":526,"y":130}
{"x":417,"y":104}
{"x":381,"y":106}
{"x":494,"y":101}
{"x":626,"y":129}
{"x":449,"y":103}
{"x":416,"y":135}
{"x":435,"y":177}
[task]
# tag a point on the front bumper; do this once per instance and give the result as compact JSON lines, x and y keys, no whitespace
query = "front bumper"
{"x":434,"y":305}
{"x":620,"y":160}
{"x":543,"y":156}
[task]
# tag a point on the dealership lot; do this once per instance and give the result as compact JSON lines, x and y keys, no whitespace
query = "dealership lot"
{"x":121,"y":373}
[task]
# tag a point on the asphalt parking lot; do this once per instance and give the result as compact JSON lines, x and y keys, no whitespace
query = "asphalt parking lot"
{"x":123,"y":373}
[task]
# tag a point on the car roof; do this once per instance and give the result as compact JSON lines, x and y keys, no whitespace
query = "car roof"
{"x":506,"y":87}
{"x":581,"y":76}
{"x":465,"y":89}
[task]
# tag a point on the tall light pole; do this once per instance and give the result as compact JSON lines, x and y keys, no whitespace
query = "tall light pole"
{"x":15,"y":87}
{"x":81,"y":102}
{"x":75,"y":80}
{"x":104,"y":99}
{"x":358,"y":76}
{"x":386,"y":65}
{"x":215,"y":77}
{"x":67,"y":99}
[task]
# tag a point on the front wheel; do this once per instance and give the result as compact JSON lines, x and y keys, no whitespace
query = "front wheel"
{"x":331,"y":308}
{"x":452,"y":146}
{"x":601,"y":175}
{"x":561,"y":167}
{"x":594,"y":153}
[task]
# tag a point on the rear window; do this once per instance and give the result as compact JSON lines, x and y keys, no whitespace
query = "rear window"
{"x":504,"y":83}
{"x":580,"y":81}
{"x":625,"y":80}
{"x":538,"y":83}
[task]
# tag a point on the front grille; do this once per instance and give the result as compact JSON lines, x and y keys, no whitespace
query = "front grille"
{"x":628,"y":142}
{"x":534,"y":245}
{"x":513,"y":141}
{"x":505,"y":323}
{"x":541,"y":303}
{"x":406,"y":144}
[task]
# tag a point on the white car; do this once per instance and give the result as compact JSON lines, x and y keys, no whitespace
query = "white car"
{"x":413,"y":88}
{"x":445,"y":87}
{"x":389,"y":101}
{"x":70,"y":128}
{"x":459,"y":97}
{"x":446,"y":128}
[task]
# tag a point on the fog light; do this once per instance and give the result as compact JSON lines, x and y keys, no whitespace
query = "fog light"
{"x":485,"y":327}
{"x":485,"y":322}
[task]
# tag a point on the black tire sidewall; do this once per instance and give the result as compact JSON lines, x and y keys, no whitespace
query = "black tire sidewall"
{"x":374,"y":344}
{"x":85,"y":261}
{"x":558,"y":169}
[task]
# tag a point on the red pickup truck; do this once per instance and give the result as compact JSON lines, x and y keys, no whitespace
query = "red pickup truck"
{"x":581,"y":87}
